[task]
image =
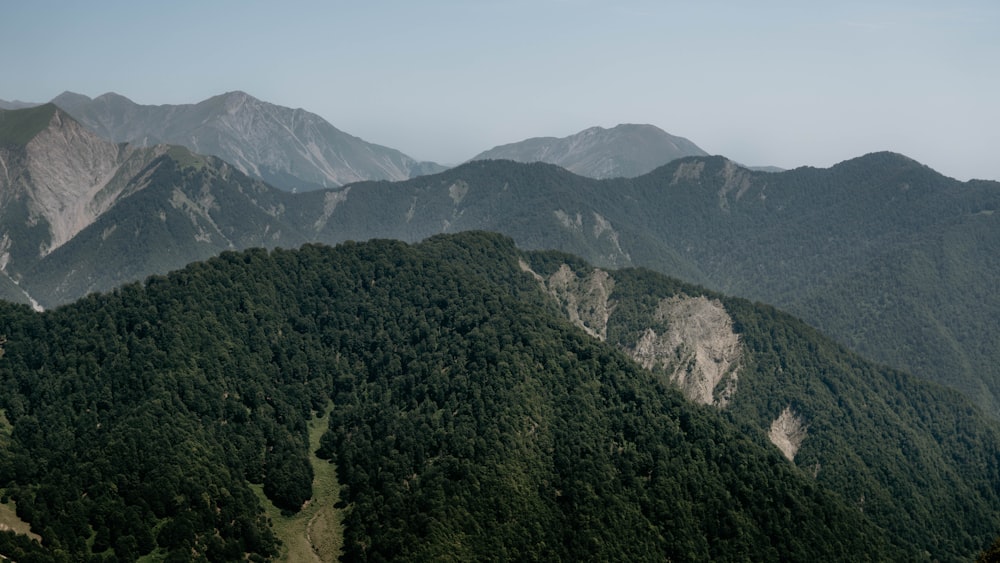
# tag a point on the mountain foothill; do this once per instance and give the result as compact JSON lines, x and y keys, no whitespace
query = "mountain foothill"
{"x":508,"y":362}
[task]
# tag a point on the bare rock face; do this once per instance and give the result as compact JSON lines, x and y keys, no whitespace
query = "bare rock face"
{"x":598,"y":228}
{"x":585,"y":299}
{"x":699,"y":352}
{"x":787,"y":432}
{"x":64,"y":177}
{"x":72,"y":174}
{"x":736,"y":181}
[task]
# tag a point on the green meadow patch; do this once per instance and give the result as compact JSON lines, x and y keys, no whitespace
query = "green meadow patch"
{"x":314,"y":533}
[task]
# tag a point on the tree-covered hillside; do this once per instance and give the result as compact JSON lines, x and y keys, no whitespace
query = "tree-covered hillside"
{"x":470,"y":420}
{"x":881,"y":252}
{"x":911,"y":455}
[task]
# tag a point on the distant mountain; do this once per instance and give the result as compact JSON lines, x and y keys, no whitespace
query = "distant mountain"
{"x":290,"y":148}
{"x":623,"y":151}
{"x":16,"y":104}
{"x":189,"y":208}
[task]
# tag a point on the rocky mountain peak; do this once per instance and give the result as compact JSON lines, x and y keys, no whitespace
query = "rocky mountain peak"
{"x":238,"y":100}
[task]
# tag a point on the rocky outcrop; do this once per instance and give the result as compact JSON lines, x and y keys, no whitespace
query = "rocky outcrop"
{"x":698,"y":351}
{"x":787,"y":432}
{"x":585,"y":299}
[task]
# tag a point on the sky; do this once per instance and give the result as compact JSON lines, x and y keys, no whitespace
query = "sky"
{"x":779,"y":83}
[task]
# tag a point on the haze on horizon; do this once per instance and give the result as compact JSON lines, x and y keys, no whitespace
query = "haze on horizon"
{"x":770,"y":83}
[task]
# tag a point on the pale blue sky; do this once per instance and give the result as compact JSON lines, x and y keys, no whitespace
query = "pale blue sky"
{"x":783,"y":83}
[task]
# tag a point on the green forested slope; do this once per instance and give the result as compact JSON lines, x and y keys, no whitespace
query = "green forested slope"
{"x":469,"y":421}
{"x":909,"y":454}
{"x":883,"y":253}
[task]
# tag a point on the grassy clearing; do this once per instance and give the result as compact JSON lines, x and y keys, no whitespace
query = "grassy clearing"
{"x":314,"y":533}
{"x":8,"y":510}
{"x":10,"y":521}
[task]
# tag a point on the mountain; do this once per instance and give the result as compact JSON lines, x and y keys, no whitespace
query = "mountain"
{"x":15,"y":104}
{"x":479,"y":402}
{"x":776,"y":377}
{"x":58,"y":178}
{"x":890,"y":257}
{"x":625,"y":150}
{"x":883,"y":253}
{"x":289,"y":148}
{"x":80,"y":214}
{"x":189,"y":208}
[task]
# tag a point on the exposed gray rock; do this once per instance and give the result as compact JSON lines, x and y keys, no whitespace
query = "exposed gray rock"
{"x":787,"y":432}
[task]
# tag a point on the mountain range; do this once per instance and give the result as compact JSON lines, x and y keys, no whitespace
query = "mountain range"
{"x":881,"y":252}
{"x":295,"y":150}
{"x":481,"y":398}
{"x":292,"y":149}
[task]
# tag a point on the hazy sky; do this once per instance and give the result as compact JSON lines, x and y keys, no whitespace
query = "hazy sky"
{"x":784,"y":83}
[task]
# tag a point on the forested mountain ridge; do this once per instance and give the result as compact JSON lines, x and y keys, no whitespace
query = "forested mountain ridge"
{"x":626,"y":150}
{"x":853,"y":426}
{"x":292,"y":149}
{"x":470,"y":419}
{"x":881,"y":252}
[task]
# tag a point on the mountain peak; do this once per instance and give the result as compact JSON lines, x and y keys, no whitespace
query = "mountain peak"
{"x":70,"y":100}
{"x":624,"y":150}
{"x":290,"y":148}
{"x":113,"y":97}
{"x":881,"y":160}
{"x":238,"y":95}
